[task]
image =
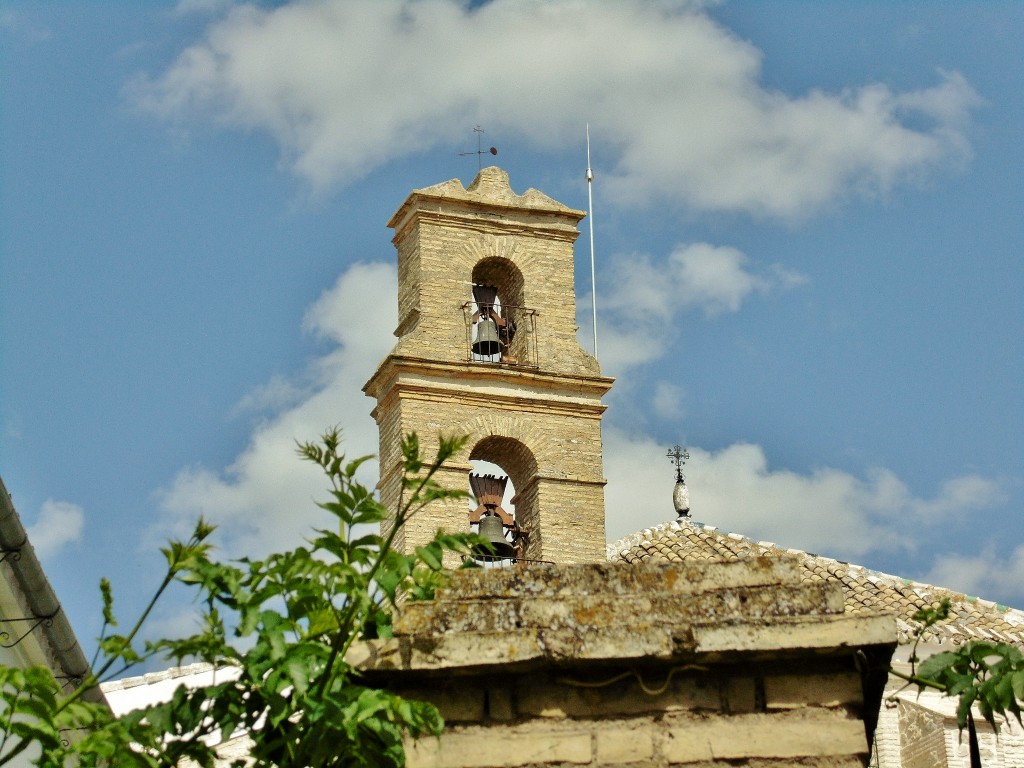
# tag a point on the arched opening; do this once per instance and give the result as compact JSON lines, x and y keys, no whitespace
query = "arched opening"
{"x":504,"y":276}
{"x":492,"y":512}
{"x":500,"y":466}
{"x":499,"y":316}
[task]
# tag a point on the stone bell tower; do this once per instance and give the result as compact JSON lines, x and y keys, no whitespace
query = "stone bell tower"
{"x":487,"y":348}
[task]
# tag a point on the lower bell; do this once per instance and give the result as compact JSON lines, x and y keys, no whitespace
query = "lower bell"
{"x":491,"y":528}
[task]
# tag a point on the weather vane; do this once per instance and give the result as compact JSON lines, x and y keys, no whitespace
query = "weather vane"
{"x":480,"y":151}
{"x":680,"y":494}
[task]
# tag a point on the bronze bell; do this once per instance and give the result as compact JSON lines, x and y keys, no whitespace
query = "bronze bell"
{"x":486,"y":338}
{"x":491,"y":528}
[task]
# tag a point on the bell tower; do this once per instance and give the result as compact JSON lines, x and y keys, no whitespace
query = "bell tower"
{"x":487,"y":348}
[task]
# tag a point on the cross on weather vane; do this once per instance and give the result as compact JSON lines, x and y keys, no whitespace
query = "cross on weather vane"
{"x":480,"y":151}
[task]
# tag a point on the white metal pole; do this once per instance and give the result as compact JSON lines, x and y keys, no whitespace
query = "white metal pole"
{"x":590,"y":218}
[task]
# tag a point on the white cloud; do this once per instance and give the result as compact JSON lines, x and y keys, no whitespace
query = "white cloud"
{"x":959,"y":494}
{"x":675,"y":103}
{"x":189,"y":7}
{"x":985,"y":574}
{"x":59,"y":523}
{"x":667,"y":400}
{"x":828,"y":511}
{"x":648,"y":296}
{"x":278,"y":393}
{"x":22,"y":26}
{"x":264,"y":499}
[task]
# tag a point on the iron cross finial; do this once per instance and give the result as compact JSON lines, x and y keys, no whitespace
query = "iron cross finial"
{"x":678,"y":455}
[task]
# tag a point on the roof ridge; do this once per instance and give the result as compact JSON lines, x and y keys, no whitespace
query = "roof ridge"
{"x":152,"y":678}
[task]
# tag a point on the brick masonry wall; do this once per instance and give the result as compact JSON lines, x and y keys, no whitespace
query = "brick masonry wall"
{"x":541,"y":423}
{"x":886,"y":753}
{"x":1009,"y":747}
{"x":550,"y":446}
{"x":656,"y":718}
{"x":920,"y":729}
{"x":1002,"y":750}
{"x":443,"y":233}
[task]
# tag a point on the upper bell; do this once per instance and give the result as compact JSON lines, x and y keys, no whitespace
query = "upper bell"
{"x":486,"y":338}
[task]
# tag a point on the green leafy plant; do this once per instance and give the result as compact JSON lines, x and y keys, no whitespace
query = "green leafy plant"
{"x":277,"y":630}
{"x":982,"y":673}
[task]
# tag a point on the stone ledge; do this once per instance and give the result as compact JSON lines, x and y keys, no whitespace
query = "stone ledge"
{"x":515,"y":650}
{"x":619,"y":579}
{"x":577,"y":389}
{"x":834,"y":633}
{"x":525,"y":649}
{"x":589,"y":614}
{"x":564,"y":616}
{"x":812,"y":737}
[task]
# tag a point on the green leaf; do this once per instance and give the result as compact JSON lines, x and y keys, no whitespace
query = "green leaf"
{"x":107,"y":595}
{"x":1017,"y":681}
{"x":431,"y":555}
{"x":964,"y":707}
{"x":1002,"y":693}
{"x":933,"y":667}
{"x":931,"y":615}
{"x":979,"y":651}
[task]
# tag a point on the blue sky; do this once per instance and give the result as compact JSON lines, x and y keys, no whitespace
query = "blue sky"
{"x":808,"y":238}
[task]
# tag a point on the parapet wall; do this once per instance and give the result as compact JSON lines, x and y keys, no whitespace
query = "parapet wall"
{"x":654,"y":665}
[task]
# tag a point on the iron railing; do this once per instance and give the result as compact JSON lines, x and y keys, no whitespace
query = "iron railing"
{"x":517,"y":339}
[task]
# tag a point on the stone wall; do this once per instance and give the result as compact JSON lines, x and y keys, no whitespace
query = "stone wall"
{"x":655,"y":665}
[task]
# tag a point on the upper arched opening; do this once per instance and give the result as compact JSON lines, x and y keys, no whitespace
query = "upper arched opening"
{"x":501,"y":324}
{"x":503,"y":276}
{"x":510,"y":455}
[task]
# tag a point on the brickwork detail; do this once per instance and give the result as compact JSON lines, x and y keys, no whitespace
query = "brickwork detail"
{"x":922,"y":737}
{"x":886,"y":747}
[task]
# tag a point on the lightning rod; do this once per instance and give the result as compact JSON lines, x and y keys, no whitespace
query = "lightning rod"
{"x":590,"y":219}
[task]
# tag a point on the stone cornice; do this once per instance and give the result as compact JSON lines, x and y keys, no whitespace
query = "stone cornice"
{"x":608,"y":613}
{"x":490,"y":192}
{"x":473,"y":379}
{"x":483,"y":220}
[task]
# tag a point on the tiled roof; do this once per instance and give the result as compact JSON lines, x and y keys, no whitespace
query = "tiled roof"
{"x":866,"y":591}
